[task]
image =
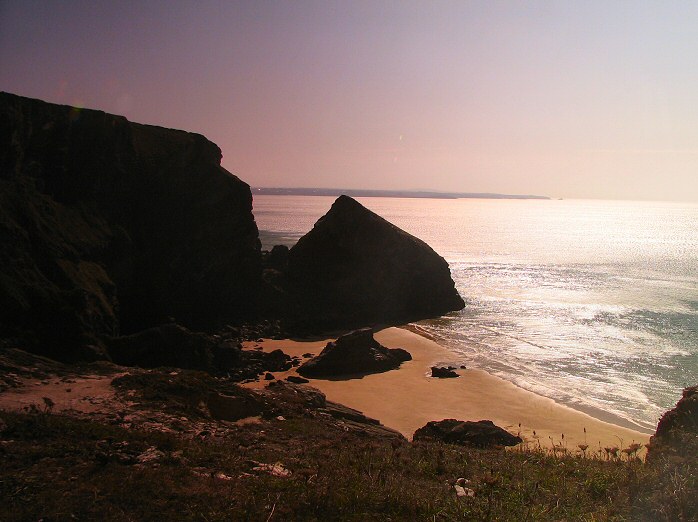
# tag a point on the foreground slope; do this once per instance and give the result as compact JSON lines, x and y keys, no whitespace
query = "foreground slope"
{"x":180,"y":445}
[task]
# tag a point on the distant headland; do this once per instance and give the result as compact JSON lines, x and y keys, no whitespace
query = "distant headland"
{"x":359,"y":193}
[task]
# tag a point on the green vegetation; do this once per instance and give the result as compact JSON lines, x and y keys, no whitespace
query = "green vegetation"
{"x":59,"y":468}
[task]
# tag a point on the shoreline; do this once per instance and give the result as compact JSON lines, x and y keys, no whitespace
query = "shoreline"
{"x":588,"y":409}
{"x":407,"y":398}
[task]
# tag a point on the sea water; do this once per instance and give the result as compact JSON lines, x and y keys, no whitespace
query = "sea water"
{"x":591,"y":303}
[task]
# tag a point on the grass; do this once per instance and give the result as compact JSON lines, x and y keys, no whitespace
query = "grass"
{"x":55,"y":468}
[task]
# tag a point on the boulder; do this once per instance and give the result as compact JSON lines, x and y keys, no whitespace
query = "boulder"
{"x":287,"y":392}
{"x":226,"y":354}
{"x":354,"y":353}
{"x":275,"y":361}
{"x":234,"y":406}
{"x":443,"y":372}
{"x":482,"y":433}
{"x":677,"y":430}
{"x":354,"y":268}
{"x":277,"y":258}
{"x":108,"y":227}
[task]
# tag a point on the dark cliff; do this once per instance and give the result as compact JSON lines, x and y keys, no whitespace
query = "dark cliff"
{"x":109,"y":227}
{"x":677,"y":430}
{"x":355,"y":268}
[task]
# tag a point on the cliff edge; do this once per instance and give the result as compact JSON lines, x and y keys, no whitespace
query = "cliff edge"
{"x":108,"y":227}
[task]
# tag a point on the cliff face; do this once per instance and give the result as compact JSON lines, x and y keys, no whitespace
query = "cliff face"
{"x":677,"y":430}
{"x":108,"y":227}
{"x":355,"y":268}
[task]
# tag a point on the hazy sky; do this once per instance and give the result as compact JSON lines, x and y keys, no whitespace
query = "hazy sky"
{"x":568,"y":99}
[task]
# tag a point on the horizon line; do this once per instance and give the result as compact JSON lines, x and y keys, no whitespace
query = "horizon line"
{"x":318,"y":191}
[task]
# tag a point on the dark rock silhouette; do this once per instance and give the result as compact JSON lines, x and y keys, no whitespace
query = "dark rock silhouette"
{"x":677,"y":430}
{"x":166,"y":345}
{"x":354,"y":353}
{"x":298,"y":394}
{"x":482,"y":433}
{"x":354,"y":268}
{"x":172,"y":345}
{"x":277,"y":258}
{"x":683,"y":417}
{"x":109,"y":227}
{"x":442,"y":372}
{"x":274,"y":361}
{"x":234,"y":405}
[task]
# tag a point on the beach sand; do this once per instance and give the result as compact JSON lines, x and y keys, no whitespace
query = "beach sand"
{"x":407,"y":398}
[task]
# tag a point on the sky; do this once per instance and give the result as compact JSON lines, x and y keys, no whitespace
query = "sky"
{"x":570,"y":99}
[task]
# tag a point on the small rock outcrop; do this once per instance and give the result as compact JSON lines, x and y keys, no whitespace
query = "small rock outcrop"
{"x":166,"y":345}
{"x":172,"y":345}
{"x":302,"y":395}
{"x":234,"y":406}
{"x":677,"y":431}
{"x":441,"y":372}
{"x":481,"y":434}
{"x":354,"y":353}
{"x":354,"y":268}
{"x":277,"y":258}
{"x":312,"y":401}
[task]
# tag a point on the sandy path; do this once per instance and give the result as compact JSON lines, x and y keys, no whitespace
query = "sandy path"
{"x":85,"y":394}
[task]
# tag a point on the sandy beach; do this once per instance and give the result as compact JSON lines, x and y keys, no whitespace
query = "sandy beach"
{"x":407,"y":398}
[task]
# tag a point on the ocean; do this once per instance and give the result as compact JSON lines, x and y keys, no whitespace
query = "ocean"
{"x":591,"y":303}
